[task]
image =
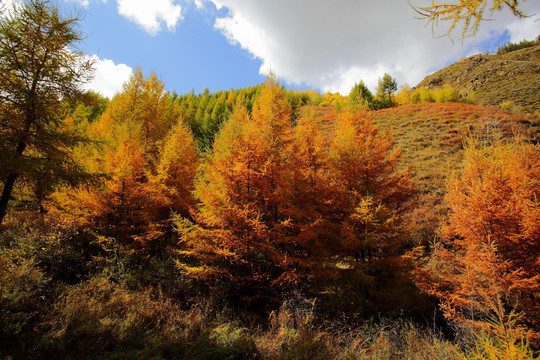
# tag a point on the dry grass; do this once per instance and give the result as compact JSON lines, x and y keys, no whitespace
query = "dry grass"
{"x":431,"y":136}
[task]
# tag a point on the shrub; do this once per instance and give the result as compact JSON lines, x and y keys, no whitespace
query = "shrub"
{"x":446,"y":93}
{"x":99,"y":317}
{"x":403,"y":97}
{"x":226,"y":341}
{"x":506,"y":105}
{"x":23,"y":287}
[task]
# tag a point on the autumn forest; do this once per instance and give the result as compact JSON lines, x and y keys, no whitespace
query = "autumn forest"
{"x":259,"y":223}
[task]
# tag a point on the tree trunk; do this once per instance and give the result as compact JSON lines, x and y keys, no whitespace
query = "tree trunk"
{"x":10,"y":181}
{"x":8,"y":187}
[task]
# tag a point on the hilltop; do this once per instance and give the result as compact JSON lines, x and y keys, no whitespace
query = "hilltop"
{"x":495,"y":79}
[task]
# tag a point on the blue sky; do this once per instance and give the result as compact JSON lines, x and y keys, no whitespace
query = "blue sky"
{"x":192,"y":57}
{"x":325,"y":45}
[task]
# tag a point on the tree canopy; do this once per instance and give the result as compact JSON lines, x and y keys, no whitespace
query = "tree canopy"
{"x":386,"y":86}
{"x":39,"y":68}
{"x":361,"y":96}
{"x":485,"y":269}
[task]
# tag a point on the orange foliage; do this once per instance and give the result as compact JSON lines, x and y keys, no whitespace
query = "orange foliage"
{"x":487,"y":266}
{"x":273,"y":198}
{"x":127,"y":208}
{"x":314,"y":194}
{"x":371,"y":192}
{"x":177,"y":168}
{"x":142,"y":111}
{"x":244,"y":194}
{"x":149,"y":173}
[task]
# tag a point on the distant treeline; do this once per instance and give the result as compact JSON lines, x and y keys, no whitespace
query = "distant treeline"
{"x":517,"y":46}
{"x":206,"y":112}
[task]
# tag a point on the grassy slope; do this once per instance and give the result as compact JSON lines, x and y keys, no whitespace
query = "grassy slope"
{"x":431,"y":138}
{"x":514,"y":76}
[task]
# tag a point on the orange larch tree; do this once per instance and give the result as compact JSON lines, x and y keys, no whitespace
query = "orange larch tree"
{"x":143,"y":111}
{"x":150,"y":174}
{"x":127,"y":208}
{"x":371,"y":192}
{"x":315,"y":196}
{"x":277,"y":204}
{"x":176,"y":169}
{"x":245,"y":229}
{"x":486,"y":269}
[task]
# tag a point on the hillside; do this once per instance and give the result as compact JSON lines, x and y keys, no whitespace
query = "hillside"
{"x":117,"y":284}
{"x":431,"y":137}
{"x":514,"y":76}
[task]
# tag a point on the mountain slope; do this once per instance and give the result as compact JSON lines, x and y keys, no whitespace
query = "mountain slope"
{"x":514,"y":76}
{"x":431,"y":138}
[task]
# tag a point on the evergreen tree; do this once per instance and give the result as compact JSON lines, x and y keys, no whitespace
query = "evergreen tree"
{"x":361,"y":97}
{"x":37,"y":72}
{"x":386,"y":87}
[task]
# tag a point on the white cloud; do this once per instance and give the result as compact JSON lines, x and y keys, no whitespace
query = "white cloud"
{"x":199,"y":4}
{"x":151,"y":14}
{"x":331,"y":45}
{"x":528,"y":28}
{"x":108,"y":77}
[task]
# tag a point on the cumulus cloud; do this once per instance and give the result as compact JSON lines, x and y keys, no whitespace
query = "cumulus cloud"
{"x":332,"y":45}
{"x":108,"y":77}
{"x":151,"y":14}
{"x":521,"y":29}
